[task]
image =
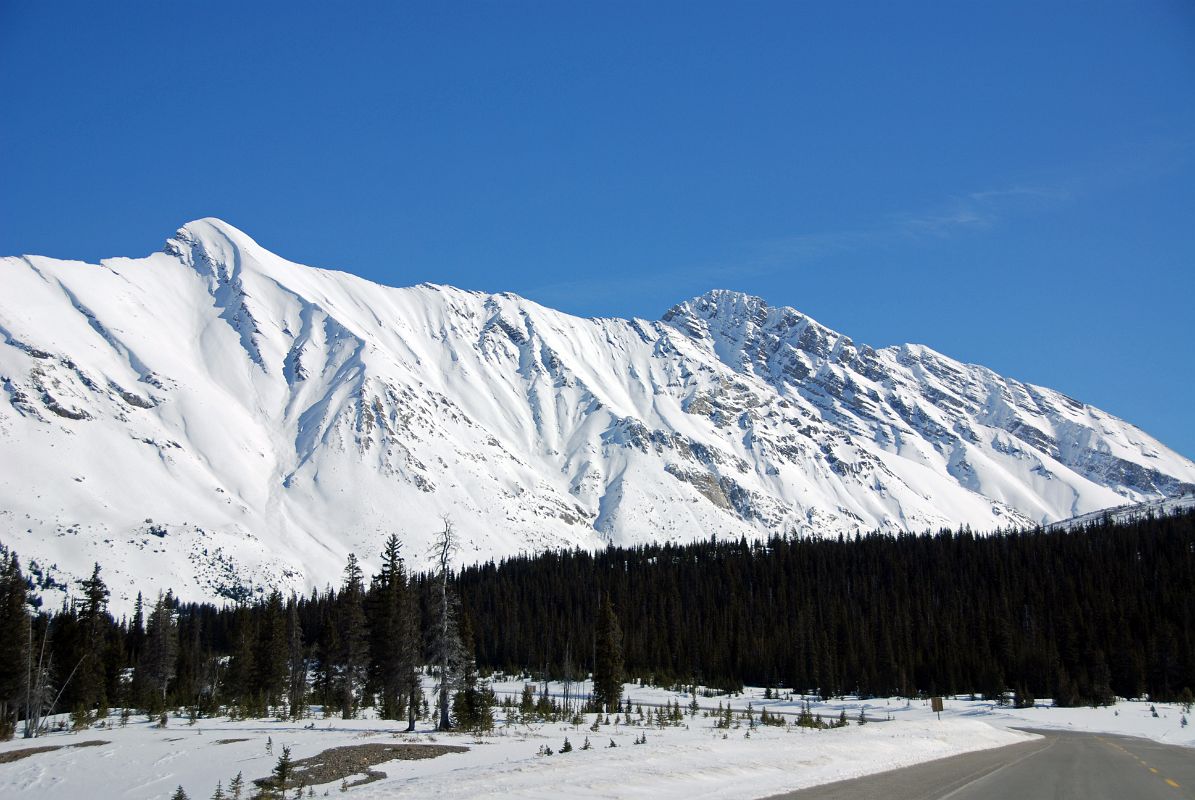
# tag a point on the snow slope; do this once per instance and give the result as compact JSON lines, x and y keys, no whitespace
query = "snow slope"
{"x":213,"y":417}
{"x":1130,"y":512}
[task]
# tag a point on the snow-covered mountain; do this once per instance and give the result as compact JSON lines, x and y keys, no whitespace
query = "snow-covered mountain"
{"x":214,"y":416}
{"x":1131,"y":512}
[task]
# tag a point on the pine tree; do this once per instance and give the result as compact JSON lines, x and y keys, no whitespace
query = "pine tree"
{"x":282,"y":770}
{"x":15,"y":626}
{"x":219,"y":793}
{"x":412,"y":655}
{"x":472,"y":705}
{"x":135,"y":642}
{"x":608,"y":664}
{"x":271,"y":655}
{"x":296,"y":683}
{"x":239,"y":677}
{"x":327,"y":651}
{"x":236,"y":787}
{"x":353,"y":636}
{"x":391,"y":658}
{"x":157,"y":663}
{"x":179,"y":794}
{"x":90,"y":683}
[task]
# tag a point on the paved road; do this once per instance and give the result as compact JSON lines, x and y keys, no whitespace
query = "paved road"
{"x":1060,"y":766}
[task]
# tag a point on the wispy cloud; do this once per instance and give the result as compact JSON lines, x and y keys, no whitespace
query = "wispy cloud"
{"x":968,"y":213}
{"x":957,"y":215}
{"x":972,"y":211}
{"x":965,"y":213}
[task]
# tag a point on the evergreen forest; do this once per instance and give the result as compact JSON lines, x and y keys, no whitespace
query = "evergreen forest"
{"x":1080,"y":616}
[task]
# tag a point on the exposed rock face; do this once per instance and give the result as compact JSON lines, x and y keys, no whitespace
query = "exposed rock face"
{"x":214,"y":417}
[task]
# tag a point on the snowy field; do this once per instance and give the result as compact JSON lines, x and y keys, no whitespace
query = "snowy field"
{"x":694,"y":760}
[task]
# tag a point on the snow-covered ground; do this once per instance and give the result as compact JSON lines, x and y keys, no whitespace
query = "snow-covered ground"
{"x":694,"y":760}
{"x":1128,"y":717}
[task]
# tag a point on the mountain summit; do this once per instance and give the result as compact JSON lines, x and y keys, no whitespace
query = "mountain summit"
{"x":214,"y":417}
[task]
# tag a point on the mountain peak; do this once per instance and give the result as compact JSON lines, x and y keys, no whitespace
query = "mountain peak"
{"x":737,"y":319}
{"x":718,"y":303}
{"x":211,"y":246}
{"x":210,"y":229}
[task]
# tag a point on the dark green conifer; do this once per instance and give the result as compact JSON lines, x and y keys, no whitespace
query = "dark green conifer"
{"x":296,"y":682}
{"x":608,"y":664}
{"x":15,"y":626}
{"x":271,"y":653}
{"x":353,"y":636}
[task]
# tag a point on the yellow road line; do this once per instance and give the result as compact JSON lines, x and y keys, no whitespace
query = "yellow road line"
{"x":1172,"y":783}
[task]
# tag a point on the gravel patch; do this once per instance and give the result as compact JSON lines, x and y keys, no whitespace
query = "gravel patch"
{"x":17,"y":755}
{"x":341,"y":763}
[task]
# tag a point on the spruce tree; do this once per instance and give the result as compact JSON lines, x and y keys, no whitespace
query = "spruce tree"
{"x":239,"y":676}
{"x":90,"y":683}
{"x":387,"y":637}
{"x":135,"y":641}
{"x":296,"y":683}
{"x":327,"y":651}
{"x":282,"y":770}
{"x":158,"y":658}
{"x":271,"y":655}
{"x":236,"y":787}
{"x":15,"y":627}
{"x":353,"y":636}
{"x":412,"y":654}
{"x":472,"y":705}
{"x":608,"y":663}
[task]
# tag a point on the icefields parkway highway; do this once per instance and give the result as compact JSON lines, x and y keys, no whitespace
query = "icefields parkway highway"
{"x":1061,"y":765}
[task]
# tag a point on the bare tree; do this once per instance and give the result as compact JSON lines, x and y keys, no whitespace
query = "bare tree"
{"x":38,"y":693}
{"x":445,"y":645}
{"x":567,"y":675}
{"x":40,"y":698}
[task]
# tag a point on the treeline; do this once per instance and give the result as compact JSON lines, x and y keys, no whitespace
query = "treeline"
{"x":343,"y":649}
{"x":1080,"y":616}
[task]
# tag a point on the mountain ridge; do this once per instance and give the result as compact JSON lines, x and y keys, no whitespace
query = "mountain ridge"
{"x":268,"y":417}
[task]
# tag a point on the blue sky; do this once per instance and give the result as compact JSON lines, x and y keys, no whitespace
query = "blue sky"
{"x":1010,"y":183}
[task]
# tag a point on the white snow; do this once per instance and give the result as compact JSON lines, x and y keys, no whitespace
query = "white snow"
{"x":213,"y":417}
{"x":696,"y":760}
{"x":1130,"y":512}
